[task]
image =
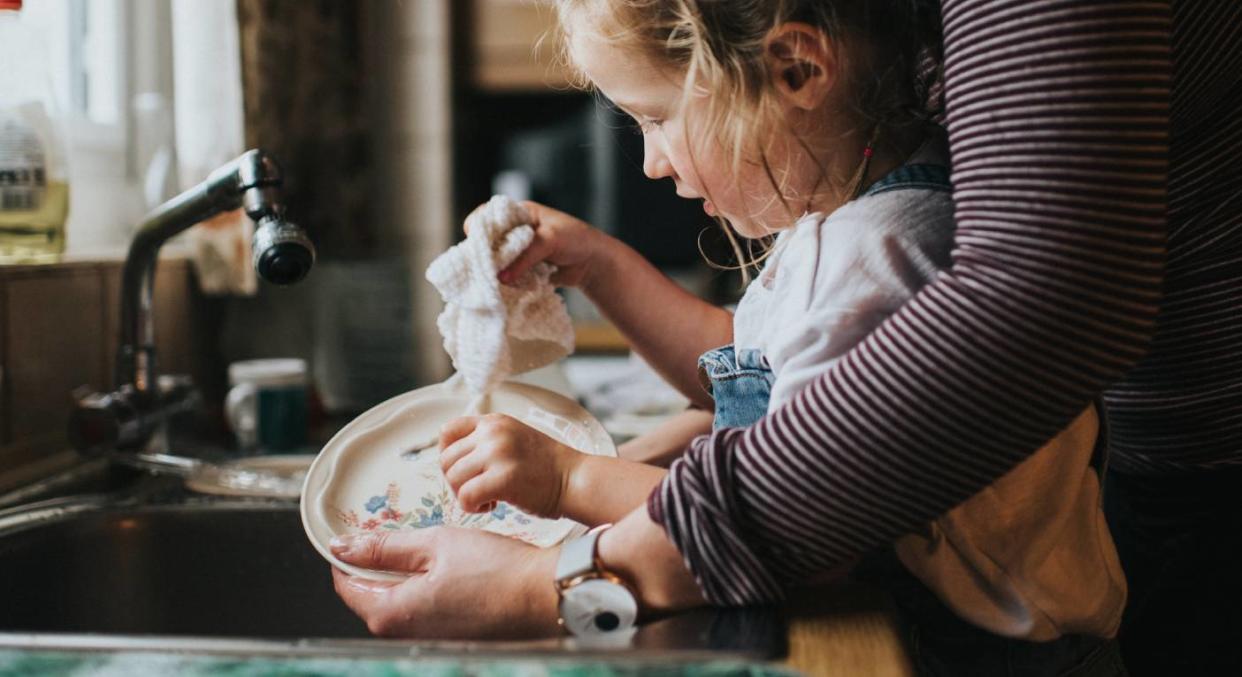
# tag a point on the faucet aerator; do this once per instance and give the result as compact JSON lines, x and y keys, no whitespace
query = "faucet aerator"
{"x":283,"y":254}
{"x":284,"y":264}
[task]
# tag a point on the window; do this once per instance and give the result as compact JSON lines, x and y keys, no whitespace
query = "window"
{"x":102,"y":53}
{"x":84,"y":41}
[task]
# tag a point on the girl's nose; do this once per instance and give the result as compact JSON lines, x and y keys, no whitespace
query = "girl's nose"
{"x":655,"y":160}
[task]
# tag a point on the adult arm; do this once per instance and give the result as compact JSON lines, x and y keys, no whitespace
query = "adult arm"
{"x":1058,"y":117}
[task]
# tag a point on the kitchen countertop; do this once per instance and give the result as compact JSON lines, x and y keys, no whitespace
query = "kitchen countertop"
{"x":845,"y":630}
{"x":140,"y":664}
{"x":838,"y":631}
{"x":841,"y":630}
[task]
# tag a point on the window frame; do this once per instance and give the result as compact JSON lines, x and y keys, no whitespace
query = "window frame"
{"x":106,"y":181}
{"x":96,"y":149}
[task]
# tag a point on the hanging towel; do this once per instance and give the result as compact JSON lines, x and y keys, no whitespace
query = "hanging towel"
{"x":493,"y":330}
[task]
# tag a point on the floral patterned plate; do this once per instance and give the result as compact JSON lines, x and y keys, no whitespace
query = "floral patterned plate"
{"x":382,"y":470}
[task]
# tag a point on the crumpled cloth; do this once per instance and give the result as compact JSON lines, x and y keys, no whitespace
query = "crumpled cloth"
{"x":492,"y":330}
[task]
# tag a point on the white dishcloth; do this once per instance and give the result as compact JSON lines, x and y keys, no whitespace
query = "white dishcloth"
{"x":493,"y":330}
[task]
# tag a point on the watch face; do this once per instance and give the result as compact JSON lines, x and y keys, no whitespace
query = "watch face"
{"x":598,"y":607}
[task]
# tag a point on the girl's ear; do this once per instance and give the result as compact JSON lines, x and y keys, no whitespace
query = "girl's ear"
{"x":802,"y":63}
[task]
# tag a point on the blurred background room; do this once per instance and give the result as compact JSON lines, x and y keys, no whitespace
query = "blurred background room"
{"x":392,"y":120}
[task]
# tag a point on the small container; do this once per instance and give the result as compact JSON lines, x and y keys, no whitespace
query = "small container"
{"x":267,"y":405}
{"x":34,"y":185}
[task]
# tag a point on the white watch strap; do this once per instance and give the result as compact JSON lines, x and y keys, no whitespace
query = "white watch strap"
{"x":578,"y":556}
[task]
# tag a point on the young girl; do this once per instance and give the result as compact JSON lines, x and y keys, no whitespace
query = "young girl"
{"x":802,"y":124}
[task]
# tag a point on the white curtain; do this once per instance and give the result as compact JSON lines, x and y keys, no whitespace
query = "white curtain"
{"x":208,"y":98}
{"x":210,"y":131}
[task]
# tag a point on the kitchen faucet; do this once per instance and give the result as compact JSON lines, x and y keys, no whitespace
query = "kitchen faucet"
{"x":140,"y":401}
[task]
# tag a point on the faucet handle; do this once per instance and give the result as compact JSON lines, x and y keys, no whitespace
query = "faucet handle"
{"x":103,"y":421}
{"x":123,"y":419}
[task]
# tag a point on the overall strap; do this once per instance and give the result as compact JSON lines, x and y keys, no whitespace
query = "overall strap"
{"x":917,"y":176}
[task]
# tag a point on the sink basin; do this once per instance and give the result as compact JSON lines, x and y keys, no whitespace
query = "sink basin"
{"x":153,"y":568}
{"x":210,"y":570}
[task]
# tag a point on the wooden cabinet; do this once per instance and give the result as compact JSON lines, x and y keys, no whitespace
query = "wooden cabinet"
{"x":514,"y":46}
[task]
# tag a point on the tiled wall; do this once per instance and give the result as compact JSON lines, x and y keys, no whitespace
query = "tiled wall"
{"x":58,"y":331}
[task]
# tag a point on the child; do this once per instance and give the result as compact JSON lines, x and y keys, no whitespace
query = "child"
{"x":803,"y":121}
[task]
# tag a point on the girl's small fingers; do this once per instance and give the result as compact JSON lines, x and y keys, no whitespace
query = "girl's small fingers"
{"x":536,"y":252}
{"x":563,"y":278}
{"x":470,"y":217}
{"x":480,"y":492}
{"x":456,"y":429}
{"x":467,"y":467}
{"x":535,"y":210}
{"x":455,"y":452}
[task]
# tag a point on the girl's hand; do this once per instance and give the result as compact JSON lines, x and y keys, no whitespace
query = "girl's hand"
{"x":498,"y":458}
{"x":570,"y":244}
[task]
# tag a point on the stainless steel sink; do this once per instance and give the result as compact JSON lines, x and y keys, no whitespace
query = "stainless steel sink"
{"x":210,"y":569}
{"x":151,"y":567}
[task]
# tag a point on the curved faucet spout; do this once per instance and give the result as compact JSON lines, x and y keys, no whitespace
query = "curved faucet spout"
{"x":253,"y":182}
{"x":283,"y":254}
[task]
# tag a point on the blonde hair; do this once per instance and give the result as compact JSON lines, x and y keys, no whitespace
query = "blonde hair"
{"x":889,"y":50}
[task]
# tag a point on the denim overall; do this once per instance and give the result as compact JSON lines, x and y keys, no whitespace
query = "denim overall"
{"x":740,"y":382}
{"x":939,"y":642}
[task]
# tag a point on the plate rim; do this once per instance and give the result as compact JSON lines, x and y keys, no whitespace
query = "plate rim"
{"x":378,"y":415}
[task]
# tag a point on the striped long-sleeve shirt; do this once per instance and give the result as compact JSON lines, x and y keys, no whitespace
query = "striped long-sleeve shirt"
{"x":1097,"y":178}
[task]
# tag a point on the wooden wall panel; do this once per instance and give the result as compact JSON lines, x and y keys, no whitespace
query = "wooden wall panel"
{"x":58,"y":331}
{"x":54,"y":342}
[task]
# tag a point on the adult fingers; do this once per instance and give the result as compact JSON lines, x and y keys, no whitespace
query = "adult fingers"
{"x":371,"y":601}
{"x":362,"y":590}
{"x":400,"y":551}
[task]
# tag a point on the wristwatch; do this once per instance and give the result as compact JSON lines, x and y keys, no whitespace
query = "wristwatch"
{"x":594,"y":602}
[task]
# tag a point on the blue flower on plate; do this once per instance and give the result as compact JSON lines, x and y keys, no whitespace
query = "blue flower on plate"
{"x":435,"y":519}
{"x":376,"y":503}
{"x":501,"y":511}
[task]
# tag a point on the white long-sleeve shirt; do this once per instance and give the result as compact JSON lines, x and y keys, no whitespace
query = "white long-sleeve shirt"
{"x":831,"y":280}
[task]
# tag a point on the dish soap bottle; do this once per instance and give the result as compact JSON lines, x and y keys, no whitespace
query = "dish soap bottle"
{"x":34,"y":187}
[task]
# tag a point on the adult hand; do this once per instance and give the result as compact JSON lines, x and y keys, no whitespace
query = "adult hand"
{"x":463,"y":584}
{"x":498,"y":458}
